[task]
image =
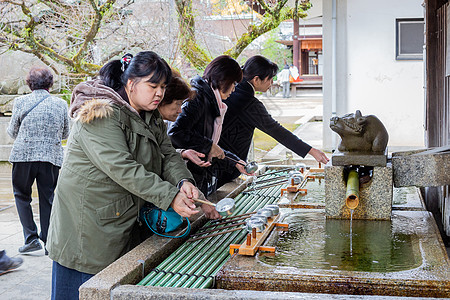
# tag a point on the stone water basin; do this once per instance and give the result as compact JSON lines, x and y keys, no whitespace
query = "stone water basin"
{"x":401,"y":257}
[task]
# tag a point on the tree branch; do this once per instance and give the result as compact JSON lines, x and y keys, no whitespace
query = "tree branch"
{"x":269,"y":22}
{"x":193,"y":52}
{"x":95,"y":26}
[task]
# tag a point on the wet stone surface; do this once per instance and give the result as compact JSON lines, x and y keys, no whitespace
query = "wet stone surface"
{"x":428,"y":274}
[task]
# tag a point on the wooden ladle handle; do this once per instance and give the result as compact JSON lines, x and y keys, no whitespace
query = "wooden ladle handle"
{"x":204,"y":202}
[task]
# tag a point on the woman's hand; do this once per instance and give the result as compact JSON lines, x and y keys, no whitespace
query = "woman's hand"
{"x":189,"y":189}
{"x":241,"y":168}
{"x":210,"y":211}
{"x":184,"y":206}
{"x":195,"y":156}
{"x":216,"y":151}
{"x":318,"y":155}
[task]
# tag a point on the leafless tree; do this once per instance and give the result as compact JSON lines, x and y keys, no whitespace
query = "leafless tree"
{"x":76,"y":37}
{"x":270,"y":14}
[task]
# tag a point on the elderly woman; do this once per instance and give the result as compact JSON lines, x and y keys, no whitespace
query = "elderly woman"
{"x":199,"y":125}
{"x":119,"y":158}
{"x":38,"y":124}
{"x":177,"y":92}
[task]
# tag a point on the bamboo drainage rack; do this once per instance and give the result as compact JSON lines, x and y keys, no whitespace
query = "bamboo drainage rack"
{"x":195,"y":264}
{"x":255,"y":239}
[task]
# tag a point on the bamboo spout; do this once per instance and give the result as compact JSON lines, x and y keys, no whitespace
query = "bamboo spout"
{"x":352,"y":195}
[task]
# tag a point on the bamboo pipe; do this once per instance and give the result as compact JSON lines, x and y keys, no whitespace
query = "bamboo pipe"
{"x":352,"y":195}
{"x":217,"y":229}
{"x":197,"y":266}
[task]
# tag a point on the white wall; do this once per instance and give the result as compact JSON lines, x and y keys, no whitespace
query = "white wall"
{"x":368,"y":76}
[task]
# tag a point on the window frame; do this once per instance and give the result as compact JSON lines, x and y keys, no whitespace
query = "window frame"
{"x":406,"y":56}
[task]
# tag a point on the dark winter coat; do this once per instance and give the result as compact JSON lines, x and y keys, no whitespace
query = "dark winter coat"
{"x":194,"y":128}
{"x":245,"y":113}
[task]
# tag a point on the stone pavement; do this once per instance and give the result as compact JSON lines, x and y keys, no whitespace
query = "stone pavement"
{"x":32,"y":280}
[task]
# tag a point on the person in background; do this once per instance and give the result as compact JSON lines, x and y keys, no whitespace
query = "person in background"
{"x":39,"y":123}
{"x":284,"y":79}
{"x":294,"y":73}
{"x":199,"y":125}
{"x":119,"y":158}
{"x":246,"y":112}
{"x":8,"y":264}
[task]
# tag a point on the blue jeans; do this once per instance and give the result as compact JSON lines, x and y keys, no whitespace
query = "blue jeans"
{"x":65,"y":282}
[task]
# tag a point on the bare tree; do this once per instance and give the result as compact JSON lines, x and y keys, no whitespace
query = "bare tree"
{"x":272,"y":13}
{"x":76,"y":37}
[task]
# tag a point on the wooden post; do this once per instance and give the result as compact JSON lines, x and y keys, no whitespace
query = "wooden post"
{"x":296,"y":46}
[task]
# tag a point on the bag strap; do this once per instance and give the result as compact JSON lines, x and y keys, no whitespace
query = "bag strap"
{"x":36,"y":104}
{"x":188,"y":230}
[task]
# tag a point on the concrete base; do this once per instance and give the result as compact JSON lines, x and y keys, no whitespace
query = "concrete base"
{"x":133,"y":266}
{"x":118,"y":280}
{"x":430,"y":279}
{"x":375,"y":197}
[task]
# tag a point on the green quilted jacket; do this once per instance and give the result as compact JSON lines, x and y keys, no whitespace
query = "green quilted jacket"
{"x":115,"y":161}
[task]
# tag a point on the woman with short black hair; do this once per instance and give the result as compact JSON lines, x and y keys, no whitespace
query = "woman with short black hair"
{"x":39,"y":79}
{"x":199,"y":125}
{"x":177,"y":92}
{"x":246,"y":112}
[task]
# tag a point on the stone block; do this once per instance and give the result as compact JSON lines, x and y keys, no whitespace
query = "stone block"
{"x":5,"y":151}
{"x":359,"y":158}
{"x":422,"y":168}
{"x":375,"y":196}
{"x":5,"y":139}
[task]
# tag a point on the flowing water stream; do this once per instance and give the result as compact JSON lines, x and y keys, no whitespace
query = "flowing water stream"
{"x":351,"y":232}
{"x":314,"y":242}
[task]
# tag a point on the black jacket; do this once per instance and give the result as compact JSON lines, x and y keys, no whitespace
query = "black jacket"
{"x":244,"y":114}
{"x":194,"y":127}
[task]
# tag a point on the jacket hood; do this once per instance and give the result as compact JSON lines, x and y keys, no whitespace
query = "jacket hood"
{"x":200,"y":85}
{"x":205,"y":92}
{"x":92,"y":99}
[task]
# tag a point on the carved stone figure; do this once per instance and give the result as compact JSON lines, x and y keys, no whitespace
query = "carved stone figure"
{"x":360,"y":133}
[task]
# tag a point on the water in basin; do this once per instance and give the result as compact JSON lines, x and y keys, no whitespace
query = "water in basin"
{"x":314,"y":242}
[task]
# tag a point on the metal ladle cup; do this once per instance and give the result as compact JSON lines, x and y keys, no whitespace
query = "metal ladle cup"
{"x":250,"y":167}
{"x":224,"y":207}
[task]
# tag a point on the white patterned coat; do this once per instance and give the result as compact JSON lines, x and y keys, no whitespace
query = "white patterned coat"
{"x":38,"y":136}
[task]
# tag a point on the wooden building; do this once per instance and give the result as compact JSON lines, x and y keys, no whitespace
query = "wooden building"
{"x":437,"y":100}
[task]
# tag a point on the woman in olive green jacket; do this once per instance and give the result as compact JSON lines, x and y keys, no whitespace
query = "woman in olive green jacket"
{"x":118,"y":156}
